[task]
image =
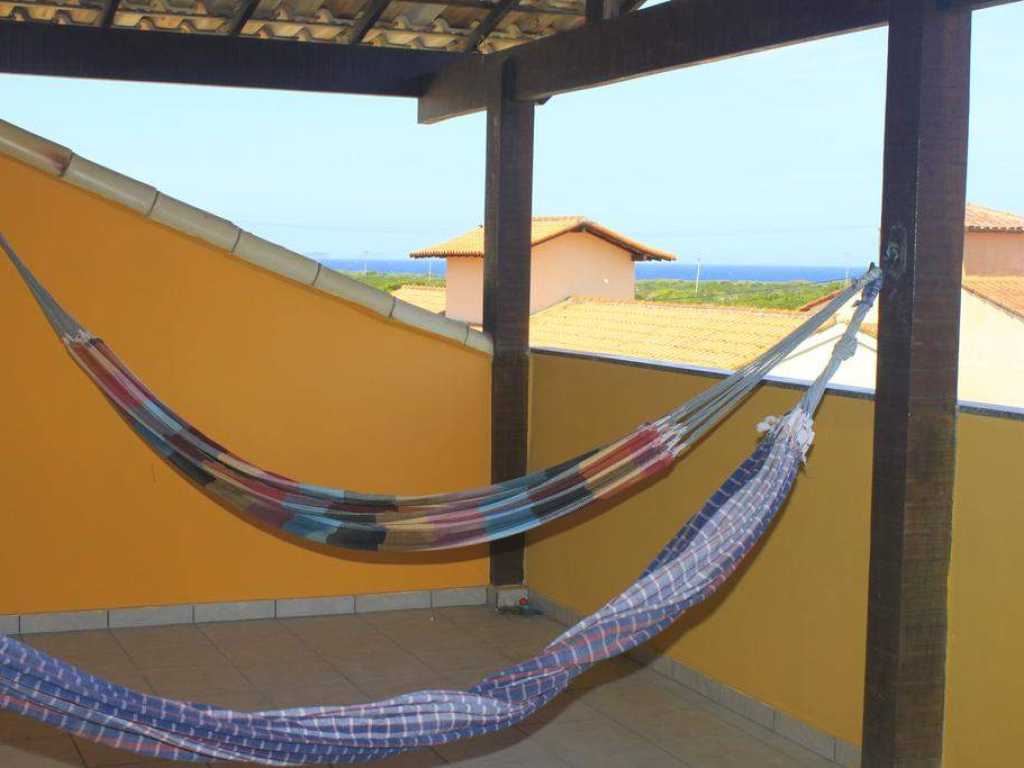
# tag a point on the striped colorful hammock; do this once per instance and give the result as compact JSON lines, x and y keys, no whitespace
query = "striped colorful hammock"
{"x":690,"y":568}
{"x":375,"y":522}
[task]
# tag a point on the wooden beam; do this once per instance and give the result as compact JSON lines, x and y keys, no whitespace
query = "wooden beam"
{"x":118,"y":54}
{"x":599,"y":10}
{"x":106,"y":19}
{"x":245,"y":12}
{"x":371,"y":13}
{"x":507,"y":222}
{"x":674,"y":34}
{"x":923,"y":203}
{"x":488,"y":24}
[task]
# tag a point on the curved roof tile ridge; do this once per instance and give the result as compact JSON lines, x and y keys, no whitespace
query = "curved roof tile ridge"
{"x":982,"y":219}
{"x":544,"y":228}
{"x":56,"y":160}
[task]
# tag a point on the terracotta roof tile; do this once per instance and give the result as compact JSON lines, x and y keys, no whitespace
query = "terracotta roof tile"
{"x":820,"y":301}
{"x":981,"y":219}
{"x":713,"y":337}
{"x":424,"y":296}
{"x":545,"y":228}
{"x":1006,"y":292}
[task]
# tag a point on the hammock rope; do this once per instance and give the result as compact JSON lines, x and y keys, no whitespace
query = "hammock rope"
{"x":690,"y":568}
{"x":379,"y":522}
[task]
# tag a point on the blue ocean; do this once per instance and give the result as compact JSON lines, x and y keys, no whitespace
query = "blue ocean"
{"x":649,"y":270}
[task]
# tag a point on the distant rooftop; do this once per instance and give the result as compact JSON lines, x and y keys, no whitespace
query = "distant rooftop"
{"x":471,"y":244}
{"x":1004,"y":292}
{"x":982,"y":219}
{"x":426,"y":297}
{"x":707,"y":336}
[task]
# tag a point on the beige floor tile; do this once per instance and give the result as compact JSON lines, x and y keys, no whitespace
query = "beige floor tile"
{"x":240,"y":701}
{"x":602,"y":743}
{"x":188,"y":682}
{"x":278,"y":650}
{"x":502,"y":749}
{"x":403,"y":681}
{"x":418,"y":758}
{"x":348,"y":626}
{"x":56,"y":752}
{"x":79,"y":648}
{"x":567,"y":708}
{"x":101,"y":756}
{"x":609,"y":672}
{"x":163,"y":647}
{"x":234,"y":632}
{"x":122,"y":674}
{"x":338,"y":695}
{"x":373,"y":667}
{"x":15,"y":728}
{"x":475,"y":656}
{"x":295,"y":673}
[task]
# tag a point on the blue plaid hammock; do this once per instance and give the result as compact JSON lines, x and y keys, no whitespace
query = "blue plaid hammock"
{"x":687,"y":571}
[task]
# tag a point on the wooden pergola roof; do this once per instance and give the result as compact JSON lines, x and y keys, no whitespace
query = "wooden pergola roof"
{"x":453,"y":25}
{"x":507,"y":56}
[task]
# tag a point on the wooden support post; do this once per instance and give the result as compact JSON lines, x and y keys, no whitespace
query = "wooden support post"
{"x":507,"y":222}
{"x":923,"y":202}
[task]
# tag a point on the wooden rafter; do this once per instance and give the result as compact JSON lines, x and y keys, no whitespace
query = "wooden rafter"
{"x":599,"y":10}
{"x":489,"y":23}
{"x":674,"y":34}
{"x":106,"y":18}
{"x":486,"y":6}
{"x":238,"y":22}
{"x":248,"y":62}
{"x":371,"y":13}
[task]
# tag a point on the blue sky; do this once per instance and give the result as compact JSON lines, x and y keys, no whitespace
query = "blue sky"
{"x":771,"y":158}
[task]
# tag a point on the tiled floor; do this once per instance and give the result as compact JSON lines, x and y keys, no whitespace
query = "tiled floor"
{"x":618,"y":714}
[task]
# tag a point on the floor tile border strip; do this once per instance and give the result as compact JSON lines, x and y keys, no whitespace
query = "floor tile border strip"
{"x":192,"y":613}
{"x":779,"y":722}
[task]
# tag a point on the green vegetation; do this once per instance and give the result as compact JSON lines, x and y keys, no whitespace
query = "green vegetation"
{"x":392,"y":281}
{"x":730,"y":293}
{"x":736,"y":293}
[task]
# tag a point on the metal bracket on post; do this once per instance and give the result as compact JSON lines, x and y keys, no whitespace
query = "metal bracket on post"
{"x":894,"y":255}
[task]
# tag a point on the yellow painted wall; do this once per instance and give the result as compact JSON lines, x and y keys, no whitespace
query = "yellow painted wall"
{"x":985,"y":683}
{"x":291,"y":378}
{"x":790,"y":628}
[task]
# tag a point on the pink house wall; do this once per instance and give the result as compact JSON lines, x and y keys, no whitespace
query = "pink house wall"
{"x":576,"y":264}
{"x":993,"y":253}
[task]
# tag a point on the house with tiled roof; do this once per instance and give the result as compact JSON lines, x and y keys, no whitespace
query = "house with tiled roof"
{"x":570,"y":256}
{"x":993,"y":243}
{"x":724,"y":338}
{"x":991,"y":317}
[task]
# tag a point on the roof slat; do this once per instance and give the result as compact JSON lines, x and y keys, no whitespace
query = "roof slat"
{"x":106,"y":18}
{"x":500,"y":11}
{"x":371,"y":13}
{"x":245,"y":12}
